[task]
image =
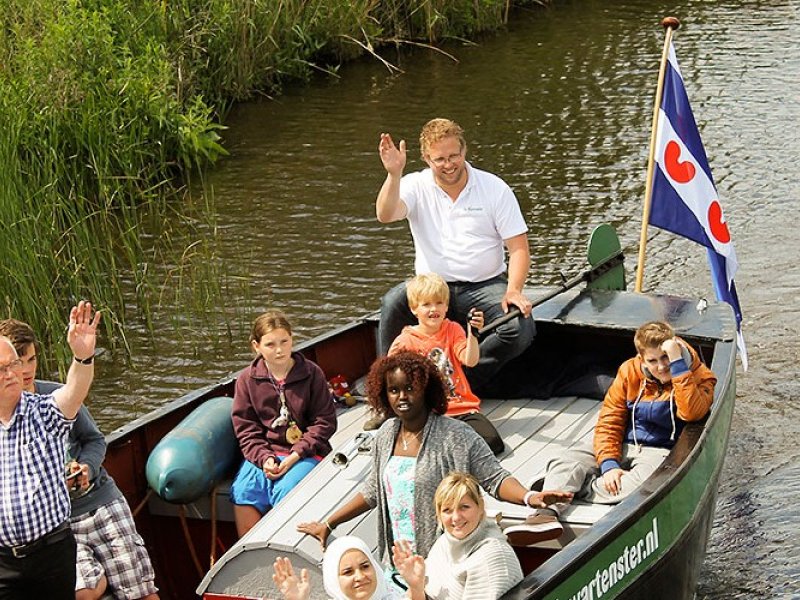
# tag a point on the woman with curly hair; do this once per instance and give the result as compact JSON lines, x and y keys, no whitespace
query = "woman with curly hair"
{"x":411,"y":455}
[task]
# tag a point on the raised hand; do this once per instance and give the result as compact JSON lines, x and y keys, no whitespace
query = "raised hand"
{"x":410,"y":566}
{"x":82,"y":332}
{"x":672,"y":349}
{"x":392,"y":157}
{"x":288,"y":583}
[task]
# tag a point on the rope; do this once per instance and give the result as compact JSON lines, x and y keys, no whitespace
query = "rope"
{"x":192,"y":551}
{"x":141,"y":504}
{"x":213,"y":557}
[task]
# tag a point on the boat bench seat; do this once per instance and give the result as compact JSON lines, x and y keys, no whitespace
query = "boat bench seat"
{"x":534,"y":431}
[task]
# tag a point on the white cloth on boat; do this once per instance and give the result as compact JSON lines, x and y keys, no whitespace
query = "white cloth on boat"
{"x":576,"y":471}
{"x":330,"y":569}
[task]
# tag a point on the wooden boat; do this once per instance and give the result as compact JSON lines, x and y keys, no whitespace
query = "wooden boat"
{"x":650,"y":545}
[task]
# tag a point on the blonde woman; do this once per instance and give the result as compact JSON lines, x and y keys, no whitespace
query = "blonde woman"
{"x":471,"y":560}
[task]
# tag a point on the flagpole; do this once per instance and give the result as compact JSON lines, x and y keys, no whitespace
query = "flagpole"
{"x":670,"y":24}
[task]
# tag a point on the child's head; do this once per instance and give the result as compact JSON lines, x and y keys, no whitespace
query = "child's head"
{"x":419,"y":370}
{"x":350,"y":572}
{"x":652,"y":335}
{"x":427,"y":287}
{"x":269,"y":321}
{"x":271,"y":336}
{"x":459,"y":504}
{"x":24,"y":340}
{"x":648,"y":341}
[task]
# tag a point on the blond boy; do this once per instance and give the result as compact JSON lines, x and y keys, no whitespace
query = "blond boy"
{"x":445,"y":343}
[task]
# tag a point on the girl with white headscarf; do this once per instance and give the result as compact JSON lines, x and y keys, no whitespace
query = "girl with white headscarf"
{"x":349,"y":572}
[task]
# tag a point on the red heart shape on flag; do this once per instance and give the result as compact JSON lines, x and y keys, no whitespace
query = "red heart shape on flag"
{"x":682,"y":172}
{"x":716,"y":222}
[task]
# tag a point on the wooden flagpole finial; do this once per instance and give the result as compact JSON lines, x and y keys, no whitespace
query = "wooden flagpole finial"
{"x":670,"y":23}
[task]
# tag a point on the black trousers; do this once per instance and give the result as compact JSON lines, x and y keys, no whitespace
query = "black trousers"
{"x":484,"y":428}
{"x":48,"y":573}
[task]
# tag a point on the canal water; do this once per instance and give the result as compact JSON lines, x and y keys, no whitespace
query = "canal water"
{"x":560,"y":105}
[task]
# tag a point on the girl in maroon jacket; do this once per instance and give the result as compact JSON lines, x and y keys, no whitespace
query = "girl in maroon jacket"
{"x":283,"y":416}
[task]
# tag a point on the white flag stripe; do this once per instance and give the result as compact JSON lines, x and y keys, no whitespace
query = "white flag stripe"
{"x":697,"y":194}
{"x":673,"y":60}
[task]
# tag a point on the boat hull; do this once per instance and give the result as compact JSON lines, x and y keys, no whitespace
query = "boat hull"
{"x":650,"y":546}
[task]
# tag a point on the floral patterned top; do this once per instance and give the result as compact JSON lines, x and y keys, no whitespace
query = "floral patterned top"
{"x":398,"y":481}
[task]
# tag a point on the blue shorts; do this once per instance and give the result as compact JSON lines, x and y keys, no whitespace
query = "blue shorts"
{"x":251,"y":486}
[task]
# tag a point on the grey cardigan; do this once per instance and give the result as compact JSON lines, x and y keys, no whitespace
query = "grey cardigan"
{"x":447,"y":445}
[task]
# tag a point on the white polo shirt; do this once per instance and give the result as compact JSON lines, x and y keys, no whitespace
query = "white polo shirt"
{"x":461,"y":240}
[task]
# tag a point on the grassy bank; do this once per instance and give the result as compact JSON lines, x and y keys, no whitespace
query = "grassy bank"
{"x":108,"y":106}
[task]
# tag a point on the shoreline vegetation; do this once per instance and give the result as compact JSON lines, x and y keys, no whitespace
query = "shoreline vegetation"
{"x":109,"y":107}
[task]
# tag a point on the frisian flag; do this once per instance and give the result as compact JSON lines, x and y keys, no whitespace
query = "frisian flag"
{"x":684,"y":198}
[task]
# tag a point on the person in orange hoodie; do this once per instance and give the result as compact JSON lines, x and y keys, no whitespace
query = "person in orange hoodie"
{"x":445,"y":343}
{"x":652,"y":397}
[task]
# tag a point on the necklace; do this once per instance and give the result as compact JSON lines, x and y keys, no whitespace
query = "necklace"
{"x":404,"y":440}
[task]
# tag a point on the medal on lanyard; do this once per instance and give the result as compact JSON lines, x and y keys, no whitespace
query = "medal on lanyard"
{"x":293,"y":433}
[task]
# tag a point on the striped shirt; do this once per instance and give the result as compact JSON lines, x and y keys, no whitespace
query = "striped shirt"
{"x":33,"y":490}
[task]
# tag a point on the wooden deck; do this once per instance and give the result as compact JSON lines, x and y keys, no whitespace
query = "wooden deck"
{"x":534,"y":431}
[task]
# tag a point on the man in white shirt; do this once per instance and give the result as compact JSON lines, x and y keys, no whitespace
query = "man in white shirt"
{"x":462,"y":220}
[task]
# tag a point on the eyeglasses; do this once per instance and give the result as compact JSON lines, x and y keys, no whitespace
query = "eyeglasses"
{"x":13,"y":367}
{"x":441,"y":161}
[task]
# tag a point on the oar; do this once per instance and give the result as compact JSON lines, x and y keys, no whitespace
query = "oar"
{"x":595,"y":272}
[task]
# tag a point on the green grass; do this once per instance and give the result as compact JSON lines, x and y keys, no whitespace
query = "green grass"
{"x":109,"y":106}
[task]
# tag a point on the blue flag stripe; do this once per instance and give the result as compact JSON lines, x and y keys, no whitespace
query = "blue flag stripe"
{"x":675,"y":104}
{"x":668,"y":211}
{"x":671,"y":211}
{"x":717,"y":264}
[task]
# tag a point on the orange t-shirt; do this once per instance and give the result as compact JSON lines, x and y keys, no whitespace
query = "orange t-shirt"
{"x":443,"y":348}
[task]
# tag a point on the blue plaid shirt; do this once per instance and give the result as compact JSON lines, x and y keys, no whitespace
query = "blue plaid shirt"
{"x":33,"y":490}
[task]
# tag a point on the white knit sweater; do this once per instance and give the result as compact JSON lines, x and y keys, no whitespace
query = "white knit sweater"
{"x":482,"y":566}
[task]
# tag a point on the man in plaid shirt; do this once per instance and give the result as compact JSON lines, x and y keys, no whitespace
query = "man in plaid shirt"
{"x":37,"y":549}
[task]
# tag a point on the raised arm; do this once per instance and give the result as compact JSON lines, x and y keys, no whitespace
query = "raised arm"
{"x":388,"y":206}
{"x":693,"y":383}
{"x":82,"y":339}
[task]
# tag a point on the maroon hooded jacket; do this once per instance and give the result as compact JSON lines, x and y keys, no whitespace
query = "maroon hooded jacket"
{"x":256,"y":404}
